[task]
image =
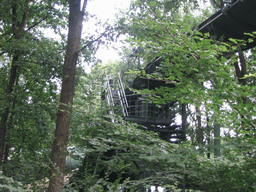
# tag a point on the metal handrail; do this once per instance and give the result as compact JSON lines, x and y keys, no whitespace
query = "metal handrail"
{"x":109,"y":96}
{"x":122,"y":95}
{"x":128,"y":108}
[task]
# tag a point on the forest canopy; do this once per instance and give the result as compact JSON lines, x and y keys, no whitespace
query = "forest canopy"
{"x":176,"y":111}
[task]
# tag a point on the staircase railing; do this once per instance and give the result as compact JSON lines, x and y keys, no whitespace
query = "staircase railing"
{"x":109,"y":96}
{"x":111,"y":89}
{"x":122,"y":95}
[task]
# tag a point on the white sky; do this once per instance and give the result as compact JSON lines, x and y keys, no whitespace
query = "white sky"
{"x":106,"y":10}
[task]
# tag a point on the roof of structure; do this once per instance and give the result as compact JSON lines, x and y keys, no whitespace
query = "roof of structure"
{"x":233,"y":21}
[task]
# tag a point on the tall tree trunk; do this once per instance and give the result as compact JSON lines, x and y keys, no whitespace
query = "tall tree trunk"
{"x":59,"y":147}
{"x":17,"y":29}
{"x":7,"y":106}
{"x":10,"y":122}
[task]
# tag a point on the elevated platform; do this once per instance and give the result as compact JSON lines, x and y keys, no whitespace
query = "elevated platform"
{"x":144,"y":120}
{"x":233,"y":21}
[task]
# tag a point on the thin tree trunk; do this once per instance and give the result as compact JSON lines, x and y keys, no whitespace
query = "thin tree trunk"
{"x":59,"y":147}
{"x":216,"y":141}
{"x":9,"y":127}
{"x":17,"y":29}
{"x":200,"y":137}
{"x":7,"y":106}
{"x":208,"y":136}
{"x":11,"y":120}
{"x":241,"y":70}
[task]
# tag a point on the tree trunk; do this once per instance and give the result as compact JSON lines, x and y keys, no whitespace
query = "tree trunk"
{"x":17,"y":29}
{"x":59,"y":147}
{"x":241,"y":70}
{"x":199,"y":132}
{"x":7,"y":106}
{"x":10,"y":123}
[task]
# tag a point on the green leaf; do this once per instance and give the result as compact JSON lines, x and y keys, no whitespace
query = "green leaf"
{"x":199,"y":33}
{"x":223,"y":48}
{"x":194,"y":69}
{"x":233,"y":40}
{"x":153,"y":3}
{"x":250,"y":40}
{"x":249,"y":34}
{"x":226,"y":44}
{"x":223,"y":59}
{"x":143,"y":72}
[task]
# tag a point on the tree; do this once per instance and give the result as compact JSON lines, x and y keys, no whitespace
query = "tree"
{"x":59,"y":146}
{"x":17,"y":30}
{"x":20,"y":46}
{"x":206,"y":79}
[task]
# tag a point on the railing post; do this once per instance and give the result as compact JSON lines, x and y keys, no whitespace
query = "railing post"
{"x":123,"y":98}
{"x":184,"y":119}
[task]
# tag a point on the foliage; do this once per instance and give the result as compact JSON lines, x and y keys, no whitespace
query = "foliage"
{"x":100,"y":138}
{"x":201,"y":69}
{"x":8,"y":184}
{"x":204,"y":76}
{"x":33,"y":100}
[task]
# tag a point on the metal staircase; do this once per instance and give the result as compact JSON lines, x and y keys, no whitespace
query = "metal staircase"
{"x":115,"y":95}
{"x":136,"y":108}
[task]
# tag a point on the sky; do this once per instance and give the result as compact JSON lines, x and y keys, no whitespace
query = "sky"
{"x":106,"y":10}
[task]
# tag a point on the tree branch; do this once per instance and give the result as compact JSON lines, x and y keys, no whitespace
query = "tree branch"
{"x":24,"y":19}
{"x":166,"y":28}
{"x":84,"y":6}
{"x":221,"y":5}
{"x":2,"y":53}
{"x":14,"y":20}
{"x":36,"y":24}
{"x":216,"y":3}
{"x":91,"y":42}
{"x":242,"y":116}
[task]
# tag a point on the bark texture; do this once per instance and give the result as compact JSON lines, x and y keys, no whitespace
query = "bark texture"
{"x":59,"y":147}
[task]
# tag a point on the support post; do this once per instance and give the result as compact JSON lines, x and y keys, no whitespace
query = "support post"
{"x":216,"y":140}
{"x":184,"y":120}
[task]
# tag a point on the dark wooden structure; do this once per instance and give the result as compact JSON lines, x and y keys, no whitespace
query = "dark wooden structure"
{"x":136,"y":108}
{"x":233,"y":21}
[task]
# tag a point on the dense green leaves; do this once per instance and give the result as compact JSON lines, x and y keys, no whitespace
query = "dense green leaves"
{"x":205,"y":74}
